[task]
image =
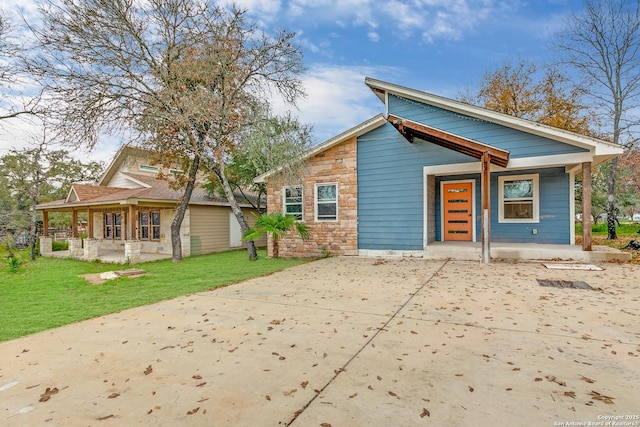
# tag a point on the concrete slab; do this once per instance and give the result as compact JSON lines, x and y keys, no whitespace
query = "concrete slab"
{"x":345,"y":341}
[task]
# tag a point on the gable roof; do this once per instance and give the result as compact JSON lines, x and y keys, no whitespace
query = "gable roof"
{"x":601,"y":150}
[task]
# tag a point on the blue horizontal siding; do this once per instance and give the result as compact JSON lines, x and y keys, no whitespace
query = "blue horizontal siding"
{"x":518,"y":143}
{"x":390,"y":188}
{"x":555,"y":222}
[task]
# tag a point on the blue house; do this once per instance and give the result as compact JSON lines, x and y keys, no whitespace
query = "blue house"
{"x":434,"y":177}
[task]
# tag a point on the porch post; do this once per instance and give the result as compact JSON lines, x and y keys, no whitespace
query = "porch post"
{"x":486,"y":213}
{"x":45,"y":223}
{"x":74,"y":223}
{"x":89,"y":223}
{"x":586,"y":206}
{"x":132,"y":223}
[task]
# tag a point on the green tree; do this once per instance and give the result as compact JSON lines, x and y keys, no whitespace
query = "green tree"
{"x":34,"y":175}
{"x":186,"y":76}
{"x":276,"y":142}
{"x":276,"y":224}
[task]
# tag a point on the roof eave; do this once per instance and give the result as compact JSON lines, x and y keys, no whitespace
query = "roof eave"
{"x":380,"y":88}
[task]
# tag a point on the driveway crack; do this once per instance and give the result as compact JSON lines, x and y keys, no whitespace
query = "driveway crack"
{"x":365,"y":345}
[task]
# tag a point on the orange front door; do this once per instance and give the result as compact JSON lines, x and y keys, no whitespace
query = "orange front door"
{"x":458,"y":211}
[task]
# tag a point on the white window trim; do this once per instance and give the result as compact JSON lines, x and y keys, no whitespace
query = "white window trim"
{"x":315,"y":201}
{"x":284,"y":200}
{"x":536,"y":198}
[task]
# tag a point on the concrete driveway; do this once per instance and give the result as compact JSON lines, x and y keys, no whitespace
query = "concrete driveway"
{"x":346,"y":342}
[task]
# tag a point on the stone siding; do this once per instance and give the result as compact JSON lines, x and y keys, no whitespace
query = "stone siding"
{"x":336,"y":164}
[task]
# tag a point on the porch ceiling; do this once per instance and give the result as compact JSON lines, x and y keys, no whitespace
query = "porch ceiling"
{"x":410,"y":129}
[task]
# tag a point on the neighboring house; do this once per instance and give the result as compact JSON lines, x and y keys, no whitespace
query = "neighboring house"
{"x":129,"y":210}
{"x":410,"y":179}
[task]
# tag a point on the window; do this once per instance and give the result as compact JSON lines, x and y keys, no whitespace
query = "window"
{"x":293,"y":202}
{"x":112,"y":225}
{"x":149,"y":225}
{"x":518,"y":198}
{"x":326,"y":202}
{"x":148,"y":168}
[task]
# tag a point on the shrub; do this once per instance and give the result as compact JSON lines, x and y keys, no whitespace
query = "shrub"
{"x":60,"y":246}
{"x":13,"y":262}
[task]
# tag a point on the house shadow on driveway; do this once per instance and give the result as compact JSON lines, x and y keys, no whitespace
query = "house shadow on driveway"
{"x":345,"y":341}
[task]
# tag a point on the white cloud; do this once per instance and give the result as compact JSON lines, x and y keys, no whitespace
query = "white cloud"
{"x":337,"y":98}
{"x":373,"y":36}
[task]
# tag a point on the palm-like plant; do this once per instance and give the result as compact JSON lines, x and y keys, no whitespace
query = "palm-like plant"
{"x":276,"y":224}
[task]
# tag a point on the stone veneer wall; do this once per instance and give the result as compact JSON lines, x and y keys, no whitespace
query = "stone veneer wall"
{"x":336,"y":164}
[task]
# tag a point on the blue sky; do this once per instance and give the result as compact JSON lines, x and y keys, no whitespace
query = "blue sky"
{"x":438,"y":46}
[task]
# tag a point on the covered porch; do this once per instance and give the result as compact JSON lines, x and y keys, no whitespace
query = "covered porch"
{"x":113,"y":256}
{"x":524,"y":252}
{"x":115,"y":233}
{"x":472,"y":251}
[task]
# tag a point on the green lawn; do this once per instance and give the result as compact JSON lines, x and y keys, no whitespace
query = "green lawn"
{"x":48,"y":292}
{"x":626,"y":231}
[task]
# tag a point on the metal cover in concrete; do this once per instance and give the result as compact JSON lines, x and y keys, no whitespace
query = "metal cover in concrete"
{"x":574,"y":284}
{"x":566,"y":266}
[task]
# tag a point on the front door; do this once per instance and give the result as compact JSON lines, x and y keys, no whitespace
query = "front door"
{"x":457,"y":210}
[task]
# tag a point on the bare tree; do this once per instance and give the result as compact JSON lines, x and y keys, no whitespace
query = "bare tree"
{"x":602,"y":43}
{"x":12,"y":102}
{"x":186,"y":76}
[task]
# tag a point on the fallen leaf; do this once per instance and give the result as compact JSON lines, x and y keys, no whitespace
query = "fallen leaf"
{"x":268,"y":397}
{"x":304,"y":384}
{"x":48,"y":393}
{"x":597,"y":396}
{"x":113,"y":395}
{"x":425,"y":413}
{"x":537,"y":379}
{"x":325,"y":425}
{"x":392,"y":393}
{"x":106,"y":417}
{"x":148,"y":370}
{"x":353,"y":395}
{"x":197,"y":377}
{"x":193,"y":411}
{"x":201,"y":384}
{"x":571,"y":394}
{"x":471,"y":389}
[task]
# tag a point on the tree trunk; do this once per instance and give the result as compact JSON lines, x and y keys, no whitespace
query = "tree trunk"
{"x":276,"y":251}
{"x":235,"y":208}
{"x":611,"y":205}
{"x":33,"y":232}
{"x":176,"y":241}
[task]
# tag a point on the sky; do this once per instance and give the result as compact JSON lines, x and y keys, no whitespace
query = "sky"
{"x":437,"y":46}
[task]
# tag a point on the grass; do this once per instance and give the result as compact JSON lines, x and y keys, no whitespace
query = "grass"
{"x":626,"y":231}
{"x":48,"y":292}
